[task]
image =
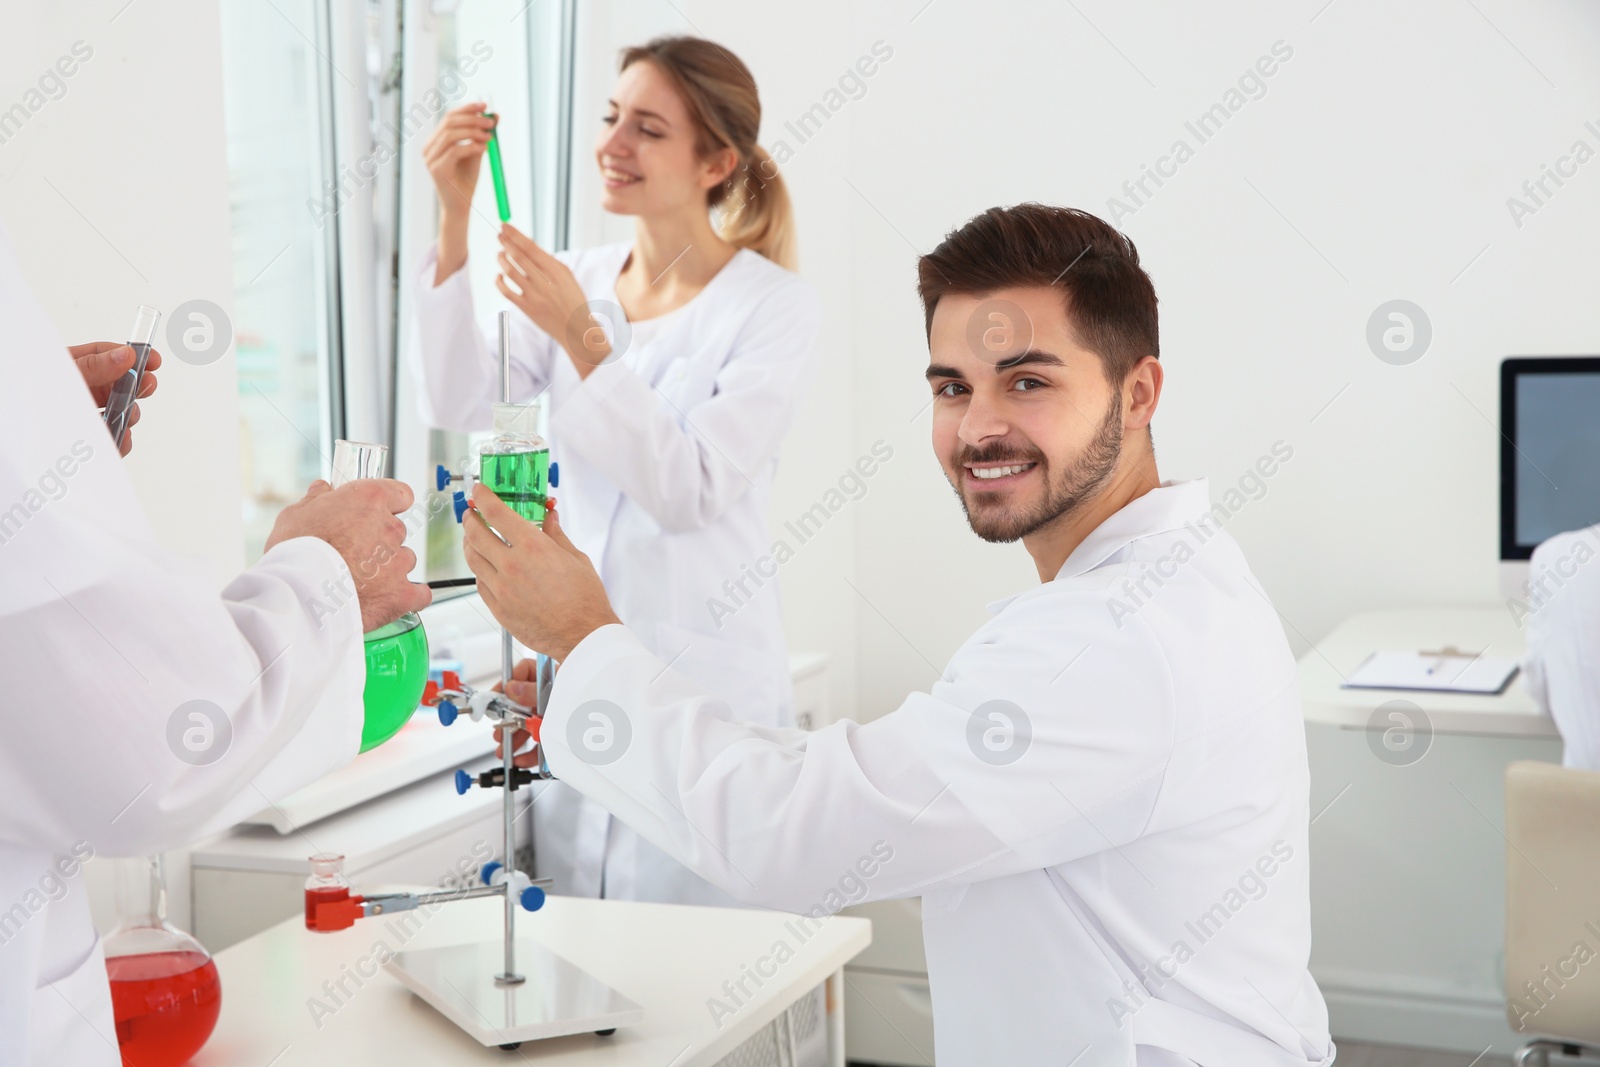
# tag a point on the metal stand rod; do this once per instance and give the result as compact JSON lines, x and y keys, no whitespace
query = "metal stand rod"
{"x":507,"y":663}
{"x":505,"y":357}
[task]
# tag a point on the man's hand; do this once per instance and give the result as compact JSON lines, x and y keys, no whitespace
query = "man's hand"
{"x":524,"y":690}
{"x":101,"y":363}
{"x":535,"y":584}
{"x":358,"y":519}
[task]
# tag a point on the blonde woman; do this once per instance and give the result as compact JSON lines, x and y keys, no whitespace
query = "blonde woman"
{"x":667,"y":419}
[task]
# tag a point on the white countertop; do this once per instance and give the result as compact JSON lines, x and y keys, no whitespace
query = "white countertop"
{"x":1486,"y":629}
{"x":669,"y":958}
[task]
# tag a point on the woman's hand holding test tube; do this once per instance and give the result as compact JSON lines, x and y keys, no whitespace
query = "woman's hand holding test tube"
{"x":454,"y":155}
{"x":545,"y":290}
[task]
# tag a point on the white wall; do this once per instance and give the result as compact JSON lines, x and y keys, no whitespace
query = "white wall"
{"x":115,"y":194}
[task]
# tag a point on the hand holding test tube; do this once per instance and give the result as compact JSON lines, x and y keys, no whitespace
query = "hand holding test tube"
{"x":454,"y":156}
{"x":125,"y":390}
{"x":118,"y":374}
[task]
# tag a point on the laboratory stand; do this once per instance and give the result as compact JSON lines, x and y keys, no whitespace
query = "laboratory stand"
{"x":510,"y":991}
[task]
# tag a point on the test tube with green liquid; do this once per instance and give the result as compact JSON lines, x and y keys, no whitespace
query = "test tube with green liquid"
{"x":497,"y":170}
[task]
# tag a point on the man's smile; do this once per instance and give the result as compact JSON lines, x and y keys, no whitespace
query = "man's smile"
{"x":997,"y":475}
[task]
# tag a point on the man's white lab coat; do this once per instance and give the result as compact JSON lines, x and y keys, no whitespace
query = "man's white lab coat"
{"x":106,"y":641}
{"x":667,"y":457}
{"x":1563,"y":626}
{"x":1103,"y":804}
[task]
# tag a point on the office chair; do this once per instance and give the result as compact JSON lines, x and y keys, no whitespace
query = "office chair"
{"x":1553,"y":912}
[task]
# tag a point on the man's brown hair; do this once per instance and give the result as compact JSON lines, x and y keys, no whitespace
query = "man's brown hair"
{"x":1110,"y":303}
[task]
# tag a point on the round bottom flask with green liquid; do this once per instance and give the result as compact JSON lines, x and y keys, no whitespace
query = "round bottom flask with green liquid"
{"x":397,"y":654}
{"x":397,"y":672}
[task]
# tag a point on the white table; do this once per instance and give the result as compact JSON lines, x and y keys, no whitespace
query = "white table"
{"x":1407,"y":853}
{"x":1489,"y":630}
{"x":669,"y":958}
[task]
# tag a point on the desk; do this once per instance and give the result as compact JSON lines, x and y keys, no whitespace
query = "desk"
{"x":669,"y":958}
{"x":1489,"y":630}
{"x":1407,"y":854}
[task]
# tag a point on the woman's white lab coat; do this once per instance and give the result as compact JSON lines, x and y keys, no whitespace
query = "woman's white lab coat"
{"x":1103,"y":803}
{"x":104,"y":637}
{"x":667,"y":456}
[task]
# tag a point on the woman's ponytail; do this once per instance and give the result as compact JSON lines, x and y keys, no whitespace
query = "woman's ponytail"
{"x":755,"y":209}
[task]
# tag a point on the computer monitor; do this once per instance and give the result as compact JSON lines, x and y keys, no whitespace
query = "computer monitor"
{"x":1549,"y":454}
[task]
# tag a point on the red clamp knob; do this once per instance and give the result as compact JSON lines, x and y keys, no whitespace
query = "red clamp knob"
{"x":452,"y":680}
{"x":430,"y":693}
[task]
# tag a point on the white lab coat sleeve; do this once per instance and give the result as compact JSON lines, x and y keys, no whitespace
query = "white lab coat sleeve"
{"x":146,"y":707}
{"x":685,"y":467}
{"x":173,"y":712}
{"x":1021,"y":758}
{"x":456,"y":364}
{"x":1564,"y":641}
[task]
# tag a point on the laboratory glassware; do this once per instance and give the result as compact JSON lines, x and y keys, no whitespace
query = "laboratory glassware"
{"x":496,"y":169}
{"x":357,"y":459}
{"x":125,"y":390}
{"x":515,"y":462}
{"x":326,"y":885}
{"x":397,"y":654}
{"x":165,"y":990}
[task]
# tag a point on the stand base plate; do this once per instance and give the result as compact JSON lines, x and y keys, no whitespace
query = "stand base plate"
{"x":556,"y":999}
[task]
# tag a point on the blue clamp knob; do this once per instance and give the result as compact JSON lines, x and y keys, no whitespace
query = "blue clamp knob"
{"x":488,"y":872}
{"x":459,"y":500}
{"x":441,"y":478}
{"x":532,"y":898}
{"x":447,"y":713}
{"x":555,"y":475}
{"x":463,"y":782}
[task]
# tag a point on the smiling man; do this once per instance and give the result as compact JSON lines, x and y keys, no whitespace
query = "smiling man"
{"x":1103,"y":808}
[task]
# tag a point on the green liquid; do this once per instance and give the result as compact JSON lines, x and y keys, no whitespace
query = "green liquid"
{"x":397,"y":671}
{"x":497,"y":172}
{"x":520,"y":479}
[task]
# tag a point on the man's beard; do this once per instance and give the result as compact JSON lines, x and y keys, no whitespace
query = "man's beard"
{"x":1077,"y":485}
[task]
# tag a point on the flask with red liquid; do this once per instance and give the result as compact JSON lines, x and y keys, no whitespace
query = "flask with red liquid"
{"x":327,"y":885}
{"x":165,"y":991}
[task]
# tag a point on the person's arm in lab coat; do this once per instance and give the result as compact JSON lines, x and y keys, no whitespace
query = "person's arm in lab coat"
{"x":1014,"y":762}
{"x":457,"y":365}
{"x":147,"y":708}
{"x":777,"y":817}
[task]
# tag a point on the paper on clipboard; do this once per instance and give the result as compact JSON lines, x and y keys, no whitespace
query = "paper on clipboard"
{"x":1447,"y":671}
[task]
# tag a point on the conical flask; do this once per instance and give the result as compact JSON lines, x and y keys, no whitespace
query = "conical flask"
{"x":165,"y":991}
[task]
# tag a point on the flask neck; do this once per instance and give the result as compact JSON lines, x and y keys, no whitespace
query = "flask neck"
{"x":141,"y":891}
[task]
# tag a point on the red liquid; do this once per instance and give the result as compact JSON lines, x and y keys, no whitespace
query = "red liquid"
{"x":166,"y":1005}
{"x":327,"y":894}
